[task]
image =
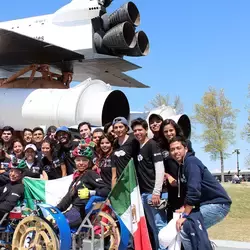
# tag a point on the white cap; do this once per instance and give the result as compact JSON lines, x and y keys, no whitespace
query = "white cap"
{"x":32,"y":146}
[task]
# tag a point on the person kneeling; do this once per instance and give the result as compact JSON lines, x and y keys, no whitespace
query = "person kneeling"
{"x":86,"y":183}
{"x":206,"y":201}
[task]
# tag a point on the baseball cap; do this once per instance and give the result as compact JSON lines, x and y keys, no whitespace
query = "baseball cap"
{"x":63,"y":129}
{"x":120,"y":119}
{"x":155,"y":115}
{"x":32,"y":146}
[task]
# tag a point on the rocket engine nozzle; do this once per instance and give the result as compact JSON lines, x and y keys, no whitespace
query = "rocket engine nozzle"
{"x":122,"y":36}
{"x":126,"y":13}
{"x":141,"y":48}
{"x":117,"y":35}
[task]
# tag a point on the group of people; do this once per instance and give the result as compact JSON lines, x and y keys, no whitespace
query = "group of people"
{"x":171,"y":178}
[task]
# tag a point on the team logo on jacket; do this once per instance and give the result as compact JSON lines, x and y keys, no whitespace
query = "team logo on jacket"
{"x":139,"y":157}
{"x":165,"y":154}
{"x":200,"y":226}
{"x":47,"y":168}
{"x":120,"y":153}
{"x":35,"y":170}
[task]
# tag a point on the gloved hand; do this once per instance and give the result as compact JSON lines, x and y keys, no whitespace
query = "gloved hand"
{"x":83,"y":193}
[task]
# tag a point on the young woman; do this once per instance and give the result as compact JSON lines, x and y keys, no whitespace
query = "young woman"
{"x":10,"y":160}
{"x":176,"y":192}
{"x":104,"y":161}
{"x":50,"y":163}
{"x":33,"y":167}
{"x":17,"y":151}
{"x":85,"y":184}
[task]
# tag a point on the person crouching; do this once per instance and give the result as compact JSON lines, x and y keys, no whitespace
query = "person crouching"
{"x":86,"y":183}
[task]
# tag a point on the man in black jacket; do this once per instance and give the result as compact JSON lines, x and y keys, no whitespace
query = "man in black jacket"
{"x":203,"y":191}
{"x":65,"y":147}
{"x":13,"y":191}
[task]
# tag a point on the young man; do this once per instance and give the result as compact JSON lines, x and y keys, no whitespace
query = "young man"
{"x":124,"y":147}
{"x":204,"y":192}
{"x":65,"y":148}
{"x":97,"y":133}
{"x":150,"y":173}
{"x":37,"y":138}
{"x":84,"y":129}
{"x":7,"y":136}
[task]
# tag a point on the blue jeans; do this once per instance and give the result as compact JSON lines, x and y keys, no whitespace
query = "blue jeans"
{"x":157,"y":219}
{"x":212,"y":214}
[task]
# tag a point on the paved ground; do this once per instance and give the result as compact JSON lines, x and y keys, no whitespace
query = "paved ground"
{"x":227,"y":248}
{"x":232,"y":245}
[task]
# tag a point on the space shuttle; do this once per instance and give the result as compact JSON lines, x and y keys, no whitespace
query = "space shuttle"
{"x":40,"y":57}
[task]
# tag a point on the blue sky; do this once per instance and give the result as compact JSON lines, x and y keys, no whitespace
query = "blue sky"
{"x":194,"y":44}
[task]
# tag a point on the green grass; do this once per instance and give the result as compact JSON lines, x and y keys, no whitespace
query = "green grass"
{"x":236,"y":226}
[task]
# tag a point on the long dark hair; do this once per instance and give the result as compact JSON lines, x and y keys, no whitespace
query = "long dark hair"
{"x":110,"y":138}
{"x":51,"y":143}
{"x":164,"y":143}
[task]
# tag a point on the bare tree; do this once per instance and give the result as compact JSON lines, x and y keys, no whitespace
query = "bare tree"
{"x":160,"y":100}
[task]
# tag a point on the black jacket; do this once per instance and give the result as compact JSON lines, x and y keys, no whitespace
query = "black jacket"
{"x":202,"y":187}
{"x":64,"y":154}
{"x":90,"y":180}
{"x":10,"y":194}
{"x":35,"y":171}
{"x":196,"y":231}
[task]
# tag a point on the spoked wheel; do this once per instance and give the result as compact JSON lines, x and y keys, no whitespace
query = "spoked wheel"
{"x":33,"y":233}
{"x":111,"y":229}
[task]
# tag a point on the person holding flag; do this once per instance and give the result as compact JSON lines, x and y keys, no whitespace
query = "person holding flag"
{"x":150,"y":173}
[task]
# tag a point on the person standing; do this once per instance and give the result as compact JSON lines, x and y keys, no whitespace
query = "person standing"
{"x":124,"y":148}
{"x":150,"y":174}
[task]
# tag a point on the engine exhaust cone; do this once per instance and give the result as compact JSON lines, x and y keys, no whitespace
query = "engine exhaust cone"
{"x":126,"y":13}
{"x":122,"y":36}
{"x":98,"y":41}
{"x":141,"y":48}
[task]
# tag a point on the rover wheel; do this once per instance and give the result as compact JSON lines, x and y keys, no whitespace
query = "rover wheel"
{"x":111,"y":229}
{"x":34,"y":233}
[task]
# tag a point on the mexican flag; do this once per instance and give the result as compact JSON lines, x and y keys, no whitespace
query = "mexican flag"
{"x":126,"y":201}
{"x":45,"y":191}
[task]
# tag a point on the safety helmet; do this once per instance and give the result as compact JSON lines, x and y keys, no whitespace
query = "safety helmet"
{"x":83,"y":151}
{"x":21,"y":166}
